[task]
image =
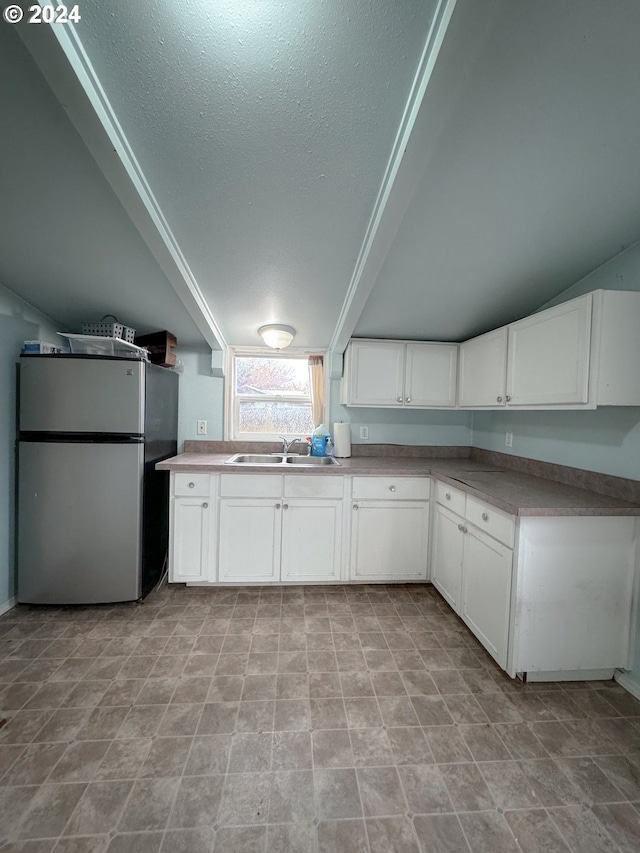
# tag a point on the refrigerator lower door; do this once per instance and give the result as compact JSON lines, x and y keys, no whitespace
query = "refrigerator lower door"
{"x":79,"y":523}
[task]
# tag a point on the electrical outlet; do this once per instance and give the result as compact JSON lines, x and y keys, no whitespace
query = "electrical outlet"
{"x":201,"y":428}
{"x":508,"y":439}
{"x":364,"y":433}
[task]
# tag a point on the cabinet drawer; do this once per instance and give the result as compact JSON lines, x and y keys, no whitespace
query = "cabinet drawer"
{"x":493,"y":521}
{"x":313,"y":487}
{"x":192,"y":485}
{"x":454,"y":499}
{"x":250,"y":485}
{"x":391,"y":488}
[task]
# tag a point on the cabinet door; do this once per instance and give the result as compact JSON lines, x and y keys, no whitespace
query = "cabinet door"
{"x":389,"y":540}
{"x":376,"y":373}
{"x":249,"y":539}
{"x":548,"y":361}
{"x":430,"y":375}
{"x":311,"y":540}
{"x":446,"y":563}
{"x":486,"y":591}
{"x":190,"y":538}
{"x":483,"y":370}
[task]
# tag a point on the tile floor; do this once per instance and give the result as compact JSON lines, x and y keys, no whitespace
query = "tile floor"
{"x":346,"y":719}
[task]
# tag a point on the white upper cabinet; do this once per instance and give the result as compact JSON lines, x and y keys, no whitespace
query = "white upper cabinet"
{"x":548,"y":356}
{"x":430,"y":375}
{"x":574,"y":355}
{"x":483,"y":370}
{"x":400,"y":374}
{"x":375,"y":373}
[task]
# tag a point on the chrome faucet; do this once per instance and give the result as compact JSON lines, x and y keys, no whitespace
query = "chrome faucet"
{"x":286,"y":445}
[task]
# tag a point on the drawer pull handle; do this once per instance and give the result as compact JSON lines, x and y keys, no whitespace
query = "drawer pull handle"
{"x":462,"y":528}
{"x":277,"y":506}
{"x":392,"y":488}
{"x":499,"y":399}
{"x":285,"y":506}
{"x":508,"y":398}
{"x":355,"y":506}
{"x":192,"y":485}
{"x":399,"y":399}
{"x":485,"y":516}
{"x":205,"y":506}
{"x":448,"y":496}
{"x":408,"y":399}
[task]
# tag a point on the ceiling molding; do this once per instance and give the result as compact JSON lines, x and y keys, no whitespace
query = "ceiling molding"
{"x":396,"y":190}
{"x":59,"y":54}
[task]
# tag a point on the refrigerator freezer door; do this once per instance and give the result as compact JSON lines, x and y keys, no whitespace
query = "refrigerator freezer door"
{"x":75,"y":394}
{"x":79,"y":523}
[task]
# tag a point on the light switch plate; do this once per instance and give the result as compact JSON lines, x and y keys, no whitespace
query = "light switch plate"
{"x":508,"y":439}
{"x":201,"y":428}
{"x":364,"y":433}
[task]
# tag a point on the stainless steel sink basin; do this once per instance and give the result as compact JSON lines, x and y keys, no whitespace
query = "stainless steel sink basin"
{"x":311,"y":460}
{"x":279,"y":459}
{"x":256,"y":459}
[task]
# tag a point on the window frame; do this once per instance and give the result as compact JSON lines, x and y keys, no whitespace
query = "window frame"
{"x":232,"y":401}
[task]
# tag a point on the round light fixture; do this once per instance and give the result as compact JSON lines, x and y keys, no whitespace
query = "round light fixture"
{"x":277,"y":336}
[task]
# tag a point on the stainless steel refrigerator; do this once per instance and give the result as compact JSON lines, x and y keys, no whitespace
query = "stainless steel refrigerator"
{"x":92,"y":510}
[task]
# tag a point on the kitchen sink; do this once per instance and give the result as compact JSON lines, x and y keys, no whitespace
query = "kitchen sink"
{"x":279,"y":459}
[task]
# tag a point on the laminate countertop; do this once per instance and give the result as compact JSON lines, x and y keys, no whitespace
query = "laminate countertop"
{"x":513,"y":492}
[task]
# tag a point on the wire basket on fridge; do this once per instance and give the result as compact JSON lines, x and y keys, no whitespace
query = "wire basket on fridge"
{"x":109,"y":327}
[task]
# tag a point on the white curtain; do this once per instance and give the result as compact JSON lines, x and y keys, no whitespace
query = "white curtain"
{"x":316,"y":381}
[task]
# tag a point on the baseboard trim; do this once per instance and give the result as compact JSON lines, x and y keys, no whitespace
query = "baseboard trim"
{"x":628,"y":683}
{"x":8,"y":605}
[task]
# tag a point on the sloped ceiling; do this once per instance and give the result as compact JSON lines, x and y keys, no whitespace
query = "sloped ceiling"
{"x":67,"y":245}
{"x":264,"y":131}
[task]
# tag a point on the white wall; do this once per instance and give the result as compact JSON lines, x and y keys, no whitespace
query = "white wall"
{"x":18,"y":322}
{"x":402,"y":426}
{"x":605,"y":440}
{"x":201,"y":397}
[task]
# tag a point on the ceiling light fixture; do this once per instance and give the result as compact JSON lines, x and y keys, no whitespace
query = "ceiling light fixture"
{"x":277,"y":336}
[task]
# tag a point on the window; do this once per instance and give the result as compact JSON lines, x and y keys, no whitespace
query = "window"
{"x":270,"y":396}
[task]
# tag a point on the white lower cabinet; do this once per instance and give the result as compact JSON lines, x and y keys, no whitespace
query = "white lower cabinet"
{"x":389,"y":529}
{"x":250,"y":530}
{"x":192,"y":529}
{"x":311,"y":540}
{"x":447,"y":553}
{"x":471,"y":568}
{"x":281,"y":537}
{"x":486,"y":591}
{"x":549,"y":597}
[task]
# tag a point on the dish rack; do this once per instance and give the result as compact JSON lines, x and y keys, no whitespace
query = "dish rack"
{"x":110,"y":329}
{"x":103,"y":345}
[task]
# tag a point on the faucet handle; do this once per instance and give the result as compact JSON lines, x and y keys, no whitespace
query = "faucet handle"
{"x":286,"y":444}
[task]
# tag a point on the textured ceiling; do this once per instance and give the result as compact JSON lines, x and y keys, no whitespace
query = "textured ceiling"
{"x":264,"y":128}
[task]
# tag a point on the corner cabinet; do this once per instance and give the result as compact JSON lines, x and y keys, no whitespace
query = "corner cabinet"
{"x":400,"y":374}
{"x":549,"y":597}
{"x":389,"y":529}
{"x":574,"y":355}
